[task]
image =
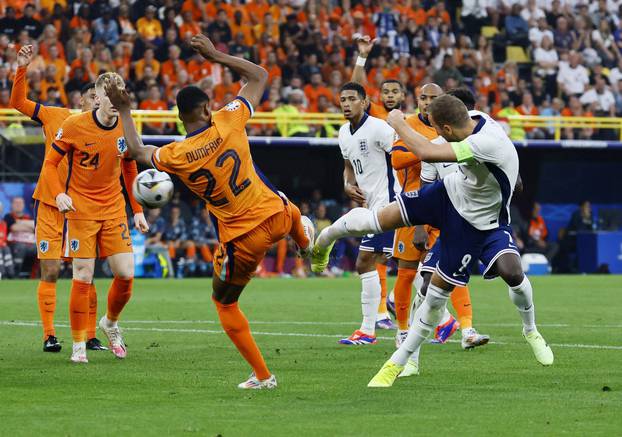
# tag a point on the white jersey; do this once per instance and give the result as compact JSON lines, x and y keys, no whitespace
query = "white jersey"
{"x":481,"y":189}
{"x":367,"y":147}
{"x":433,"y":171}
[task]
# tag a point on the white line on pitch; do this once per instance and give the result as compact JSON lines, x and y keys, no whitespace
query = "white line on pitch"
{"x":324,"y":323}
{"x":295,"y":334}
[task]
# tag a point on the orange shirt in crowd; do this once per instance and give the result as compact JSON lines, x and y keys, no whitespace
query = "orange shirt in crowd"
{"x":313,"y":94}
{"x":199,"y":70}
{"x":168,"y":69}
{"x":139,"y":67}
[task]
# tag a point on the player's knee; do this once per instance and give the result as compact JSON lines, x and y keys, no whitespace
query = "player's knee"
{"x":513,"y":277}
{"x":50,"y":271}
{"x":83,"y":273}
{"x":365,"y":263}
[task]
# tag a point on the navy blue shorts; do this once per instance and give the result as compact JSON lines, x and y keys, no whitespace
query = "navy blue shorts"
{"x":378,"y":243}
{"x":460,"y":242}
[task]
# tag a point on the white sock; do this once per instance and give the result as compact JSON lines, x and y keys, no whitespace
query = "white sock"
{"x":426,"y":319}
{"x":370,"y":299}
{"x":522,"y":297}
{"x":418,"y":282}
{"x":78,"y":345}
{"x":446,"y":317}
{"x":109,"y":323}
{"x":357,"y":222}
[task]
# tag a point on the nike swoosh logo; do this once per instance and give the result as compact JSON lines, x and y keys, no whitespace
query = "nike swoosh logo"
{"x":447,"y":165}
{"x":426,"y":324}
{"x":529,"y":307}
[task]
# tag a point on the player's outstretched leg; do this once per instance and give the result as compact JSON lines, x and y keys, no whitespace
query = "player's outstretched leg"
{"x":119,"y":294}
{"x":357,"y":222}
{"x":302,"y":232}
{"x":426,"y":318}
{"x":448,"y":325}
{"x":509,"y":268}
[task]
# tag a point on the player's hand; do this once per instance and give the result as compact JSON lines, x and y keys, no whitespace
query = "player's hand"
{"x":24,"y":56}
{"x":140,"y":222}
{"x":119,"y":97}
{"x":365,"y":44}
{"x":355,"y":193}
{"x":420,"y":240}
{"x":395,"y":117}
{"x":64,"y":203}
{"x":204,"y":46}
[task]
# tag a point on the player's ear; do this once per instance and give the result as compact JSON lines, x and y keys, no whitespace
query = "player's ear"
{"x":206,"y":111}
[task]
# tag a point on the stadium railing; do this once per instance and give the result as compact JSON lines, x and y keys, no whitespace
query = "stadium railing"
{"x":556,"y":124}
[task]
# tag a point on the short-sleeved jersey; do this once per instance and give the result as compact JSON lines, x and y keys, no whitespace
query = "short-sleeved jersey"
{"x":94,"y":154}
{"x":434,"y":171}
{"x":51,"y":118}
{"x":406,"y":163}
{"x":215,"y":162}
{"x":368,"y":148}
{"x":377,"y":111}
{"x":481,"y":190}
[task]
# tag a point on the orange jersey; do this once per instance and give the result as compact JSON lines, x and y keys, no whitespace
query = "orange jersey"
{"x":378,"y":111}
{"x":407,"y":164}
{"x":51,"y":118}
{"x":95,"y":153}
{"x":215,"y":162}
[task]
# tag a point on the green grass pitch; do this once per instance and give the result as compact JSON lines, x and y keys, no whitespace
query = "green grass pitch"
{"x":181,"y":372}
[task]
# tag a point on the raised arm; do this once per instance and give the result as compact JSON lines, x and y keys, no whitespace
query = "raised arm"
{"x":18,"y":93}
{"x":418,"y":144}
{"x":136,"y":150}
{"x":365,"y":45}
{"x":255,"y":76}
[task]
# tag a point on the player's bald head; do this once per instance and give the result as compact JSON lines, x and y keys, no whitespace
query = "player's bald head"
{"x":190,"y":99}
{"x":431,"y":89}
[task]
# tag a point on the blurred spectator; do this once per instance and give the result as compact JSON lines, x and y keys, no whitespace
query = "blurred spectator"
{"x":290,"y":126}
{"x":203,"y":235}
{"x":600,"y":98}
{"x":321,"y":221}
{"x":179,"y":246}
{"x":21,"y":237}
{"x":149,"y":27}
{"x":105,"y":29}
{"x":537,"y":241}
{"x":516,"y":27}
{"x":573,"y":77}
{"x":6,"y":258}
{"x":154,"y":102}
{"x":581,"y":220}
{"x":447,"y":72}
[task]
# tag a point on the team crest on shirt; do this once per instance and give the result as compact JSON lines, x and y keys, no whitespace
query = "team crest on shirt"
{"x":411,"y":194}
{"x":44,"y":245}
{"x":121,"y":145}
{"x":59,"y":134}
{"x":401,"y":246}
{"x":232,"y":106}
{"x":427,"y":257}
{"x":75,"y":245}
{"x":363,"y":147}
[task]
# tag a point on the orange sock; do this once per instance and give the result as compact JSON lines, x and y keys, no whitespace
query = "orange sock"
{"x":79,"y":309}
{"x":191,"y":251}
{"x":297,"y":231}
{"x":46,"y":294}
{"x":171,"y":251}
{"x":382,"y":273}
{"x":403,"y":293}
{"x":92,"y":326}
{"x":206,"y":253}
{"x":118,"y":295}
{"x":236,"y":326}
{"x":281,"y":254}
{"x":461,"y":300}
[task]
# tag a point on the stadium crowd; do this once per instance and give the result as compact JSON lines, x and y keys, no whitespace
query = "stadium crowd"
{"x":518,"y":56}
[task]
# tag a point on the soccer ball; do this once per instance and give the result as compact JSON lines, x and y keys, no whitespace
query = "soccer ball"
{"x":152,"y":188}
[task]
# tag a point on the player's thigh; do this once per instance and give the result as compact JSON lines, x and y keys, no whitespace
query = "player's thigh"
{"x":114,"y":237}
{"x":424,"y":206}
{"x":81,"y":238}
{"x":83,"y":269}
{"x":122,"y":265}
{"x":501,"y":257}
{"x":460,"y":246}
{"x":49,"y":228}
{"x":235,"y":262}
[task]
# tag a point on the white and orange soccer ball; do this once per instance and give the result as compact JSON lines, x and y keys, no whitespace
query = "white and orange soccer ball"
{"x":153,"y":189}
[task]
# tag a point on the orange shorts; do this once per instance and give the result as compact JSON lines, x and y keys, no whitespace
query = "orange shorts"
{"x":236,"y":261}
{"x":93,"y":238}
{"x":49,"y":228}
{"x":404,"y":248}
